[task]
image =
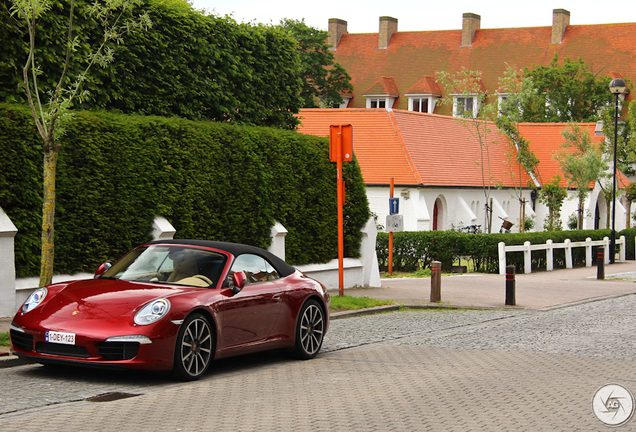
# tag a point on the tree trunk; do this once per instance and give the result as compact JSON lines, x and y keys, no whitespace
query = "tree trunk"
{"x":579,"y":219}
{"x":48,"y":213}
{"x":628,"y":217}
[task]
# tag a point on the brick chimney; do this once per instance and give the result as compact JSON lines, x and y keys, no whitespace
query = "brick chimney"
{"x":470,"y":23}
{"x":560,"y":21}
{"x":337,"y":28}
{"x":388,"y":26}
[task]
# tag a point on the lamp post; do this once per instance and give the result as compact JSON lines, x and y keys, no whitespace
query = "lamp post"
{"x":617,"y":86}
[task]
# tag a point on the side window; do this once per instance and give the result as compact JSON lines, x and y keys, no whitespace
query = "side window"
{"x":256,"y":268}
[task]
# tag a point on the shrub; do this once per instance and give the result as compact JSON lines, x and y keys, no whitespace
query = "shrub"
{"x":210,"y":180}
{"x":417,"y":250}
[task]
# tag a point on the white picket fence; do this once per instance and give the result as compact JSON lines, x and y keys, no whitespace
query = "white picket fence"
{"x":527,"y":248}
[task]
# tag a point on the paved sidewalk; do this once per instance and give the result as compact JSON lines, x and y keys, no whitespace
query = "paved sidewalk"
{"x":539,"y":290}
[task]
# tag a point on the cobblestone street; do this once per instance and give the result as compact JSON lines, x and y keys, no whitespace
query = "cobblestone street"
{"x":417,"y":370}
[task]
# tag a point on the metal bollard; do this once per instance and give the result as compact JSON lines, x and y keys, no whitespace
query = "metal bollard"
{"x":436,"y":282}
{"x":510,"y":286}
{"x":600,"y":263}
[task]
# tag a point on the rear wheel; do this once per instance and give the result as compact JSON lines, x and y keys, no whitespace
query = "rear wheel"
{"x":193,"y":351}
{"x":310,"y":330}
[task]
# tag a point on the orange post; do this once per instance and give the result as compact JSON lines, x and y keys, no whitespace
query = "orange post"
{"x":391,"y":237}
{"x":340,"y":150}
{"x":340,"y":213}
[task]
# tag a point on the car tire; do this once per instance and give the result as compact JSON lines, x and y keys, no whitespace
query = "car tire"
{"x":194,"y":348}
{"x":310,"y":330}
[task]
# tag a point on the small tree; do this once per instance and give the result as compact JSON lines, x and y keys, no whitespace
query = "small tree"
{"x":52,"y":116}
{"x":553,"y":195}
{"x":466,"y":84}
{"x":581,"y":161}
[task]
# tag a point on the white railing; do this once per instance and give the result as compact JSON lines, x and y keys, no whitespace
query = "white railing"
{"x":549,"y":247}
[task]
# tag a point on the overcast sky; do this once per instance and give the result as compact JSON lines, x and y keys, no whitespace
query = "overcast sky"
{"x":421,"y":15}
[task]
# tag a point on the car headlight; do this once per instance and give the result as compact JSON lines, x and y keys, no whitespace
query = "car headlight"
{"x":152,"y":312}
{"x":34,"y":300}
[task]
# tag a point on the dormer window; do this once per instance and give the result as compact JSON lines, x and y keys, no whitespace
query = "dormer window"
{"x":422,"y":103}
{"x":465,"y":106}
{"x":377,"y":102}
{"x":423,"y":95}
{"x":502,"y":106}
{"x":382,"y":94}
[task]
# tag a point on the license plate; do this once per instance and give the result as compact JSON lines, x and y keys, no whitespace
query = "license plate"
{"x":61,"y":338}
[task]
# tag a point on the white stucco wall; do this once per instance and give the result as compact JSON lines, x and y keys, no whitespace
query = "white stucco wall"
{"x":463,"y":207}
{"x":459,"y":207}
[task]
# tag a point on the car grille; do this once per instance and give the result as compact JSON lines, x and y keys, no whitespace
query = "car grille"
{"x":118,"y":350}
{"x":21,"y":341}
{"x":62,"y":350}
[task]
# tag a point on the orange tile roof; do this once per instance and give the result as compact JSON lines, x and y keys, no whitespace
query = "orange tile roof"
{"x":384,"y":86}
{"x":410,"y":56}
{"x":376,"y":142}
{"x":425,"y":86}
{"x":419,"y":149}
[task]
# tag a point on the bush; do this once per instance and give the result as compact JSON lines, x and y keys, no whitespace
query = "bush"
{"x":210,"y":180}
{"x":417,"y":250}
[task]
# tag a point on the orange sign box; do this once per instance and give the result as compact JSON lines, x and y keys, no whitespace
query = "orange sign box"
{"x":346,"y":135}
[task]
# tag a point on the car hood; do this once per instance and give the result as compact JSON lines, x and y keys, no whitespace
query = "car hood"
{"x":103,"y":298}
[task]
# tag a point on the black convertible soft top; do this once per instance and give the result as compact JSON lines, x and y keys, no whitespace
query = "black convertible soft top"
{"x":235,"y":249}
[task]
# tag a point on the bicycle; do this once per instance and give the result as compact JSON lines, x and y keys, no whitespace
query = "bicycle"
{"x":505,"y":226}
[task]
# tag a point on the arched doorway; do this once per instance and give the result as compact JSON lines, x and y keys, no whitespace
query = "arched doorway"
{"x":438,"y":215}
{"x":435,"y":214}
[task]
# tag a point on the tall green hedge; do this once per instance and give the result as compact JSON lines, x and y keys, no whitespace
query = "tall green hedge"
{"x":417,"y":250}
{"x":210,"y":180}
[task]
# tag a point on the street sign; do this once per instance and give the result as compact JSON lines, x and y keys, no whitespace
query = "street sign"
{"x":394,"y":206}
{"x":394,"y":223}
{"x":346,"y":143}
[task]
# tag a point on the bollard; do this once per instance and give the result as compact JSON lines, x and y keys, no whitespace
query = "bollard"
{"x":436,"y":282}
{"x":510,"y":286}
{"x":600,"y":263}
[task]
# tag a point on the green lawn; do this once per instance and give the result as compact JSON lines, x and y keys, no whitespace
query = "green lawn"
{"x":352,"y":303}
{"x":4,"y":339}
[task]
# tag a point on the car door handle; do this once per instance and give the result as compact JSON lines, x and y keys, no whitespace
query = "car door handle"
{"x":277,"y":297}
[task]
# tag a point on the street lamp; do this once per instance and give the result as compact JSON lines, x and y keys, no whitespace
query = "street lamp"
{"x":617,"y":86}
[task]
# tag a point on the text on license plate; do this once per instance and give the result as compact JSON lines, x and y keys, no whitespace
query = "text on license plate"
{"x":61,"y":338}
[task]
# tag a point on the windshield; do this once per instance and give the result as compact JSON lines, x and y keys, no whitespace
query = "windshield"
{"x":169,"y":264}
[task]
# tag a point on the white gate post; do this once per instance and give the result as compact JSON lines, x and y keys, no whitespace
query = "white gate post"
{"x":7,"y":269}
{"x":501,"y":248}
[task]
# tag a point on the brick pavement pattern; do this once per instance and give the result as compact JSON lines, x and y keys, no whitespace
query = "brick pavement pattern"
{"x":402,"y":371}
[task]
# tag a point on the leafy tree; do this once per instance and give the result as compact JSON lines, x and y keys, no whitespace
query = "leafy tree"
{"x":581,"y":161}
{"x":323,"y":80}
{"x":518,"y":92}
{"x":51,"y":117}
{"x":188,"y":64}
{"x":566,"y":92}
{"x":552,"y":196}
{"x":626,"y":142}
{"x":466,"y":84}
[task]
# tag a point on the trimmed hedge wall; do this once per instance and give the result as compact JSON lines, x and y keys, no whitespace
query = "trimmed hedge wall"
{"x":417,"y":250}
{"x":210,"y":180}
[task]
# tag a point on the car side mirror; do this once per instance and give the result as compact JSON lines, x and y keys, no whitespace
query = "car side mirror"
{"x":238,"y":279}
{"x":102,"y":268}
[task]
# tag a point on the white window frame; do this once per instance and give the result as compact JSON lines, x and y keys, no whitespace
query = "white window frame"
{"x":431,"y":99}
{"x":475,"y":99}
{"x":379,"y":99}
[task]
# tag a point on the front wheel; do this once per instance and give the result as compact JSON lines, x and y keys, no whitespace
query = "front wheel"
{"x":310,"y":330}
{"x":193,"y":351}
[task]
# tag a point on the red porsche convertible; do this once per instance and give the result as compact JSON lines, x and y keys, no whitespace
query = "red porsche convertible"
{"x":174,"y":305}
